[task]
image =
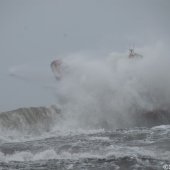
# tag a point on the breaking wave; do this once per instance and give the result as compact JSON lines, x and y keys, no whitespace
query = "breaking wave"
{"x":33,"y":120}
{"x":111,"y":112}
{"x":115,"y":91}
{"x":103,"y":92}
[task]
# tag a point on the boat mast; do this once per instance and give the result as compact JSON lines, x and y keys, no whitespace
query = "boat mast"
{"x":131,"y":53}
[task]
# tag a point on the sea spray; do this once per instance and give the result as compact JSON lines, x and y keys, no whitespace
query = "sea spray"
{"x":106,"y":92}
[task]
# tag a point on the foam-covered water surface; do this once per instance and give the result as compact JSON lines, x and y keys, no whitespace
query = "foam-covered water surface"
{"x":136,"y":148}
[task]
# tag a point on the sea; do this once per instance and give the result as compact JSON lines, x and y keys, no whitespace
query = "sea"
{"x":111,"y":113}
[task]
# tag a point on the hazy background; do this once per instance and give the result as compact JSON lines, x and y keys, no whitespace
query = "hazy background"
{"x":34,"y":32}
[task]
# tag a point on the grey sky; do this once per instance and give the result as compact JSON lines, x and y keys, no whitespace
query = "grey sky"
{"x":34,"y":31}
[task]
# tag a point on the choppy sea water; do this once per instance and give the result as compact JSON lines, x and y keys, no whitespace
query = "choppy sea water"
{"x":27,"y":142}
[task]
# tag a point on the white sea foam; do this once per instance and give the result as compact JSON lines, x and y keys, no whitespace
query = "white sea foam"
{"x":45,"y":155}
{"x":99,"y":138}
{"x":113,"y":150}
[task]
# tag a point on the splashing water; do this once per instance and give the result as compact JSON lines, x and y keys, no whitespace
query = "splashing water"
{"x":100,"y":92}
{"x":100,"y":104}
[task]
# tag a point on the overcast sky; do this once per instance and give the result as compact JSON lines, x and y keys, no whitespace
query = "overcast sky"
{"x":33,"y":32}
